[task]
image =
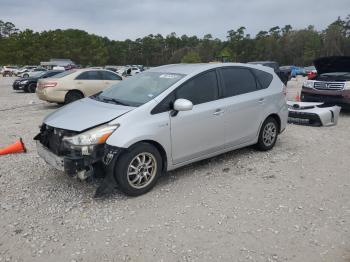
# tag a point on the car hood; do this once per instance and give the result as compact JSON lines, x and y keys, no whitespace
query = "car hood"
{"x":27,"y":78}
{"x":332,"y":64}
{"x":85,"y":114}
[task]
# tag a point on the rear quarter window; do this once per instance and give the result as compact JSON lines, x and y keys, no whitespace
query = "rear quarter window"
{"x":238,"y":81}
{"x":264,"y":79}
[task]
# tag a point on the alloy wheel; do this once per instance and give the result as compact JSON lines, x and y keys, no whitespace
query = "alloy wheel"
{"x":142,"y":170}
{"x":269,"y":134}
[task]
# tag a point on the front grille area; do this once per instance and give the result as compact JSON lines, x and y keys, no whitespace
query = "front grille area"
{"x":51,"y":138}
{"x":329,"y":85}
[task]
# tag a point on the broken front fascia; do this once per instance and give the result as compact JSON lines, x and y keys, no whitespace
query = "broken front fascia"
{"x":312,"y":114}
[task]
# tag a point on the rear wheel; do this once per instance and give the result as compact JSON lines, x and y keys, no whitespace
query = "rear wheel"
{"x":138,"y":170}
{"x":268,"y":134}
{"x":72,"y":96}
{"x":26,"y":75}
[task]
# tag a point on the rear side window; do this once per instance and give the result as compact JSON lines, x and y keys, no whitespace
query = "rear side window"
{"x":201,"y":89}
{"x":110,"y":76}
{"x":264,"y":78}
{"x":238,"y":81}
{"x":89,"y":75}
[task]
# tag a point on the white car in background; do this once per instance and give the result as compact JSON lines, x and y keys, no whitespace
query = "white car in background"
{"x":24,"y":69}
{"x":8,"y":70}
{"x":31,"y":72}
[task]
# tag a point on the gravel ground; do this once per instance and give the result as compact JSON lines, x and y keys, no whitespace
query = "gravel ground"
{"x":289,"y":204}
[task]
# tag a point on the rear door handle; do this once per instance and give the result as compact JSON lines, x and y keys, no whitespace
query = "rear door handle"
{"x":218,"y":112}
{"x":261,"y":100}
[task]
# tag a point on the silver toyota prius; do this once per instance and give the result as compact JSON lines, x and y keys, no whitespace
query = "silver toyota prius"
{"x":162,"y":119}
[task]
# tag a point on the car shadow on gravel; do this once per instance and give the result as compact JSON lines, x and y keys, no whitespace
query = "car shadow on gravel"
{"x":206,"y":166}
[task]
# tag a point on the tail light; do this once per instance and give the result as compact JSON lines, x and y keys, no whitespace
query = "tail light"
{"x":48,"y":84}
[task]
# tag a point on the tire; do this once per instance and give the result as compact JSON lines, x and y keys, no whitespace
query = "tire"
{"x":26,"y":75}
{"x":268,"y":134}
{"x":132,"y":176}
{"x":31,"y":87}
{"x":72,"y":96}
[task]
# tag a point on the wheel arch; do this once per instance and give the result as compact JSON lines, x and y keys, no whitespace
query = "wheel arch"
{"x":278,"y":120}
{"x":73,"y":91}
{"x":161,"y":150}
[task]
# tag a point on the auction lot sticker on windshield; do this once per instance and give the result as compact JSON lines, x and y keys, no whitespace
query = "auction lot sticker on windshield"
{"x":168,"y":76}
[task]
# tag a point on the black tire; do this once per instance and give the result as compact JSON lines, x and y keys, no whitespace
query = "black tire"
{"x":26,"y":75}
{"x":31,"y":87}
{"x":128,"y":158}
{"x":72,"y":96}
{"x":268,"y":142}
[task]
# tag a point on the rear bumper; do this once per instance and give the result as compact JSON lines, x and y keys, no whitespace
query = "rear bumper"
{"x":51,"y":95}
{"x":340,"y":98}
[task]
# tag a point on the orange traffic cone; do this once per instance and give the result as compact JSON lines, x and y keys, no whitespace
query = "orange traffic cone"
{"x":17,"y":147}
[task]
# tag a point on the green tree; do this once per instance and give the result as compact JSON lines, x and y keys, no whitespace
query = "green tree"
{"x":191,"y":57}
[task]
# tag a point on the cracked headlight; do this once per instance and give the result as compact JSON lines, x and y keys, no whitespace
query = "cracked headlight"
{"x":95,"y":136}
{"x":308,"y":84}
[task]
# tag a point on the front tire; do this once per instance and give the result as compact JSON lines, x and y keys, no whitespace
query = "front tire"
{"x":31,"y":88}
{"x":268,"y":134}
{"x":138,"y":170}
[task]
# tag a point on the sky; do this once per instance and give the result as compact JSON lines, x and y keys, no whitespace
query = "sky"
{"x":119,"y":20}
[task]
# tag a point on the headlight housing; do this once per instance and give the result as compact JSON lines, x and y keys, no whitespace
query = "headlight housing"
{"x":309,"y":84}
{"x":95,"y":136}
{"x":24,"y":81}
{"x":347,"y":85}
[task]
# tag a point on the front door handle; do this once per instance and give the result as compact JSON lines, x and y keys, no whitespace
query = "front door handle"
{"x":218,"y":112}
{"x":261,"y":100}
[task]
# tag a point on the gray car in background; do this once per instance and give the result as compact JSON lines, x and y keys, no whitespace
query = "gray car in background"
{"x":162,"y":119}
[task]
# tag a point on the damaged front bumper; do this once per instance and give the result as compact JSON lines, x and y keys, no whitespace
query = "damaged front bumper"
{"x":312,"y":114}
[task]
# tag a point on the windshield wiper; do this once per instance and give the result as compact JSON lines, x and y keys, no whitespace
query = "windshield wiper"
{"x":113,"y":100}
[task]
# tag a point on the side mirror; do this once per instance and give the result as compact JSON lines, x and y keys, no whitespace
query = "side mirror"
{"x":182,"y":105}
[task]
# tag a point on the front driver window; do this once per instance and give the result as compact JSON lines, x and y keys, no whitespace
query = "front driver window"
{"x":200,"y":89}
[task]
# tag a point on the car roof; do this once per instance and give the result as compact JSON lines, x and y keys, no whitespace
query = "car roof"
{"x":187,"y":69}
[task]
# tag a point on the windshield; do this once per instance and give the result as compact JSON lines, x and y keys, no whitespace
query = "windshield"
{"x":139,"y":89}
{"x":40,"y":74}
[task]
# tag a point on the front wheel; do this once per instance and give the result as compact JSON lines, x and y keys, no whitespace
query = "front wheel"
{"x":138,"y":170}
{"x":268,"y":134}
{"x":32,"y":88}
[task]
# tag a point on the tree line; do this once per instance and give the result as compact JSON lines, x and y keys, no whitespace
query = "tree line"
{"x":284,"y":44}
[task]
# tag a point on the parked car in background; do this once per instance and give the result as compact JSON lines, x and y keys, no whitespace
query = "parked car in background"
{"x":311,"y":72}
{"x":275,"y":66}
{"x":75,"y":84}
{"x":32,"y":72}
{"x":8,"y":70}
{"x":293,"y":71}
{"x":131,"y":71}
{"x":165,"y":118}
{"x":24,"y":69}
{"x":331,"y":85}
{"x":29,"y":84}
